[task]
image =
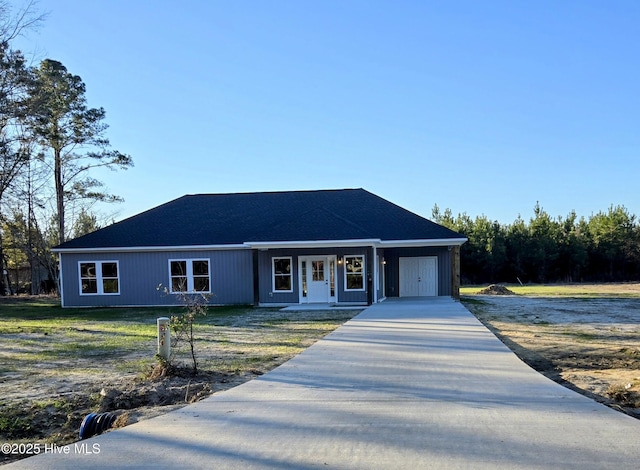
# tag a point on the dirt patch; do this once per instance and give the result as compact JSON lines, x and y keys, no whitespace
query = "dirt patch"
{"x":50,"y":409}
{"x":496,"y":289}
{"x":591,"y":345}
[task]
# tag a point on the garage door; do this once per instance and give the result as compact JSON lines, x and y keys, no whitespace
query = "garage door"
{"x":419,"y":276}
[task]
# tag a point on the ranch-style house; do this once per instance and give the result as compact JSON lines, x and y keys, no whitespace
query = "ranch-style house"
{"x":347,"y":247}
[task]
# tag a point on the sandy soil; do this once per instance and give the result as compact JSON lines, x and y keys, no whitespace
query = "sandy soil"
{"x":591,"y":345}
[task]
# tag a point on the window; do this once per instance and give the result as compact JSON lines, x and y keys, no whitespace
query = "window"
{"x":189,"y":275}
{"x":354,"y":272}
{"x":282,"y":275}
{"x":332,"y":277}
{"x":99,"y":278}
{"x":317,"y":270}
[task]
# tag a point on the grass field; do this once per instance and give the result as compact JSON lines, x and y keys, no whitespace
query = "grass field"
{"x":566,"y":290}
{"x":39,"y":330}
{"x":57,"y":365}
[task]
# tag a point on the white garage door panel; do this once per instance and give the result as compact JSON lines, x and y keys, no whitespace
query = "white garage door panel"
{"x":419,"y":276}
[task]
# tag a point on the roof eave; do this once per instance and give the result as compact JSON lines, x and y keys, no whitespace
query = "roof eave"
{"x":137,"y":249}
{"x":424,"y":242}
{"x":266,"y":245}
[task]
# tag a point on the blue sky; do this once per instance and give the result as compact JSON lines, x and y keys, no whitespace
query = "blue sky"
{"x":484,"y":107}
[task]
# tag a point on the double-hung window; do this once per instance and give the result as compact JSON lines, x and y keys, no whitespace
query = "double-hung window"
{"x":99,"y":277}
{"x":354,"y":272}
{"x":189,"y":275}
{"x":282,"y":275}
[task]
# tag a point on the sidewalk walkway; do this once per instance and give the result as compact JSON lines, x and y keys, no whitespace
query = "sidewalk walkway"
{"x":407,"y":384}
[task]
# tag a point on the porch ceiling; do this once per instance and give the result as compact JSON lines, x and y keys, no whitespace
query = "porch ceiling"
{"x":352,"y":243}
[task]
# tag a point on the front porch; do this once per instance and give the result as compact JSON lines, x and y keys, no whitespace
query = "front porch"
{"x":352,"y":275}
{"x":307,"y":307}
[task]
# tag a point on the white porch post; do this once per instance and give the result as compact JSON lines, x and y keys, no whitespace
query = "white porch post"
{"x":374,"y":263}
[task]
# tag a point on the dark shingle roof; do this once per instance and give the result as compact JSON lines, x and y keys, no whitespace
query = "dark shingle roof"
{"x":220,"y":219}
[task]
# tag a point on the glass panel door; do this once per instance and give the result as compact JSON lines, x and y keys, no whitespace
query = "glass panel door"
{"x":318,"y":270}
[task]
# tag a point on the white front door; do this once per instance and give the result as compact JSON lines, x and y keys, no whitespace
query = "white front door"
{"x":318,"y":279}
{"x":419,"y":276}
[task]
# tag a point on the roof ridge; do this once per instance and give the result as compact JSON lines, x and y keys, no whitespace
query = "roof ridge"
{"x":292,"y":191}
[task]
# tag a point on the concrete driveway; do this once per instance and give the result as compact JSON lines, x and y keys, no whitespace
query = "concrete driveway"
{"x":406,"y":384}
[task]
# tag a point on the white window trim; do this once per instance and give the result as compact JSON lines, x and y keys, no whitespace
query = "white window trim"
{"x":189,"y":276}
{"x":364,"y":273}
{"x":99,"y":279}
{"x":273,"y":274}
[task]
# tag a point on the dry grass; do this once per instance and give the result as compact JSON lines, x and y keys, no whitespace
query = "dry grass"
{"x":57,"y":365}
{"x":622,"y":289}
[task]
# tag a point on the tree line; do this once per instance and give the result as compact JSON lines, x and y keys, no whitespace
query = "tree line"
{"x":602,"y":248}
{"x":50,"y":143}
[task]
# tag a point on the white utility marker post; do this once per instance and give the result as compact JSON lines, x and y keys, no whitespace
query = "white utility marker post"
{"x":164,"y":338}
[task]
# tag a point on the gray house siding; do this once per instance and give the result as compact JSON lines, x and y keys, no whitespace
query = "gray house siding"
{"x":231,"y":274}
{"x":392,"y":271}
{"x":266,"y":293}
{"x":241,"y":276}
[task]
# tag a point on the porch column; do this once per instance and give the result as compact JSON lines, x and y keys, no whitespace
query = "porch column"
{"x":369,"y":272}
{"x":376,"y":273}
{"x":455,"y":272}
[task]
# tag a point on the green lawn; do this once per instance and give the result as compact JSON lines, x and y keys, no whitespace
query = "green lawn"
{"x":566,"y":290}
